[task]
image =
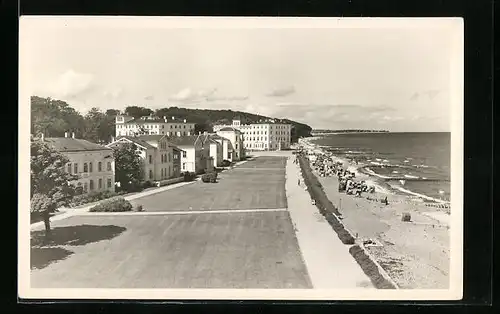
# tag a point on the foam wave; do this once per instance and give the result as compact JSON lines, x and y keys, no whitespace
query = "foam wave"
{"x":410,"y":176}
{"x":437,"y":200}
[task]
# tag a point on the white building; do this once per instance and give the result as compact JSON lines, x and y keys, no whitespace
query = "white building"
{"x":216,"y":149}
{"x":236,"y":150}
{"x":149,"y":125}
{"x":161,"y":159}
{"x":267,"y":135}
{"x":92,"y":163}
{"x":195,"y":153}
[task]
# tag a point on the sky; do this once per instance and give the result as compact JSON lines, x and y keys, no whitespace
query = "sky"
{"x":330,"y":75}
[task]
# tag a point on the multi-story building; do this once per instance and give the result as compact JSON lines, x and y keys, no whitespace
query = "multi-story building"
{"x":195,"y":153}
{"x":267,"y":135}
{"x":236,"y":150}
{"x":150,"y":125}
{"x":92,"y":163}
{"x":160,"y":157}
{"x":217,"y":144}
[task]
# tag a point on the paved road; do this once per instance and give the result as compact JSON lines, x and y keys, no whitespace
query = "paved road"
{"x":256,"y":184}
{"x":249,"y":249}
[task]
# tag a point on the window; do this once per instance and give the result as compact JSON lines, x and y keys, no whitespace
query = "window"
{"x":184,"y":154}
{"x":85,"y":167}
{"x":100,"y":184}
{"x":162,"y":158}
{"x":109,"y":183}
{"x":150,"y":159}
{"x":162,"y":173}
{"x":91,"y":185}
{"x":168,"y":157}
{"x":183,"y":166}
{"x":69,"y":168}
{"x":85,"y":187}
{"x":228,"y":155}
{"x":150,"y":174}
{"x":99,"y":166}
{"x":169,"y":171}
{"x":109,"y":166}
{"x":75,"y":166}
{"x":90,"y":167}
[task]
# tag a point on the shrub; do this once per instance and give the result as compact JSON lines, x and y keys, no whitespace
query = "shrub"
{"x":138,"y":208}
{"x":147,"y":184}
{"x":117,"y":204}
{"x":189,"y":176}
{"x":92,"y":197}
{"x":209,"y":177}
{"x":225,"y":163}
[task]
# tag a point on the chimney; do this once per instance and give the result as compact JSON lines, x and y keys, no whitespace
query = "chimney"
{"x":184,"y":120}
{"x":73,"y":135}
{"x":65,"y":134}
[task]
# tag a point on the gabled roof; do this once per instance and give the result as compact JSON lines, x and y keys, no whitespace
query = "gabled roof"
{"x":152,"y":137}
{"x":69,"y":144}
{"x":135,"y":140}
{"x":228,"y":128}
{"x":187,"y":140}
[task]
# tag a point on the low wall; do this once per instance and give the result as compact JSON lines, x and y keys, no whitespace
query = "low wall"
{"x":325,"y":206}
{"x":169,"y":181}
{"x":370,"y":267}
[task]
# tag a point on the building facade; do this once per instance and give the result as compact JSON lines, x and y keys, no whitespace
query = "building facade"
{"x":236,"y":150}
{"x":92,"y":163}
{"x":129,"y":126}
{"x":195,"y":155}
{"x":267,"y":135}
{"x":160,"y":157}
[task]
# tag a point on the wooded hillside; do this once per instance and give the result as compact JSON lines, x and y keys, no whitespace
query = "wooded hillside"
{"x":54,"y":117}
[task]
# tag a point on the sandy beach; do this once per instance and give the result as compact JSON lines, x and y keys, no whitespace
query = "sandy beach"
{"x":415,"y":254}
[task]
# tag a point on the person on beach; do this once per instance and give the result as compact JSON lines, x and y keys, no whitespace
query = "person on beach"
{"x":385,"y":201}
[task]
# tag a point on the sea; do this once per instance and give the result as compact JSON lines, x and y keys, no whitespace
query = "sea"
{"x":415,"y":164}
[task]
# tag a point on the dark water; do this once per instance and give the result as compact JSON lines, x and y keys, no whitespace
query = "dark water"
{"x":404,"y":162}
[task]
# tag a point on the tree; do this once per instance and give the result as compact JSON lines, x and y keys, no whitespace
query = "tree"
{"x":112,"y":112}
{"x":128,"y":166}
{"x":99,"y":127}
{"x":137,"y":112}
{"x":54,"y":117}
{"x":50,"y":183}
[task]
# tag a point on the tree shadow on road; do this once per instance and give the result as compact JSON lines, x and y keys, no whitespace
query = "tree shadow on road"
{"x":75,"y":235}
{"x":43,"y":257}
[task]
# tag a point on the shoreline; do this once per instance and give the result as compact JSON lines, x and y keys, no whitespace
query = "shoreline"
{"x":415,"y":254}
{"x":362,"y":169}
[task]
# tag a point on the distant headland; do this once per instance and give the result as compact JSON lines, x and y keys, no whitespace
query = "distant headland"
{"x":321,"y":131}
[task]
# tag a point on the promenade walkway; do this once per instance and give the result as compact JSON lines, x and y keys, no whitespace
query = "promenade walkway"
{"x":328,"y":261}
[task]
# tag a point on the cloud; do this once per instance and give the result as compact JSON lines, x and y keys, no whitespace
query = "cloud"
{"x":188,"y":95}
{"x":113,"y":94}
{"x":281,"y":92}
{"x":71,"y":84}
{"x":226,"y":98}
{"x":431,"y":94}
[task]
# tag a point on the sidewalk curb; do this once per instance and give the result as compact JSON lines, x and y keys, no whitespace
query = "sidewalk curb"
{"x":377,"y":275}
{"x":69,"y":212}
